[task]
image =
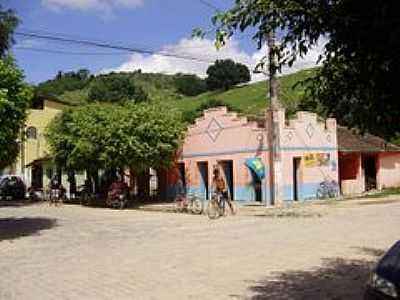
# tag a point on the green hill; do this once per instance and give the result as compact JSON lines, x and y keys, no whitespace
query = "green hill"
{"x":251,"y":98}
{"x":73,"y":87}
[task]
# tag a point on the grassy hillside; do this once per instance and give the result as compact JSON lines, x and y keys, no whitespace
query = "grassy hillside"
{"x":74,"y":88}
{"x":161,"y":88}
{"x":251,"y":98}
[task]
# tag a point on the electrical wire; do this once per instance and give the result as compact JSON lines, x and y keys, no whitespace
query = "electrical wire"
{"x":109,"y":46}
{"x":209,"y":5}
{"x":52,"y":51}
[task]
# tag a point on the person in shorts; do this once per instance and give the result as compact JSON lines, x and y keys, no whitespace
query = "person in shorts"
{"x":219,"y":187}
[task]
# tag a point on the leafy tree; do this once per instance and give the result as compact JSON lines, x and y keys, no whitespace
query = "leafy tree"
{"x":8,"y":23}
{"x":116,"y":88}
{"x":108,"y":137}
{"x":190,"y":85}
{"x":358,"y":80}
{"x":14,"y":102}
{"x":224,"y":74}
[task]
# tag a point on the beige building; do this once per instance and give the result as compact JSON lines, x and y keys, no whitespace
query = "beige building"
{"x":33,"y":162}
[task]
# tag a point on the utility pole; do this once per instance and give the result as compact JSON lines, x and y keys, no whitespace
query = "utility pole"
{"x":272,"y":125}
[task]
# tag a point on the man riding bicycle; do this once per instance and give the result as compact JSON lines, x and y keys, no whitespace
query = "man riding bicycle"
{"x":219,"y":187}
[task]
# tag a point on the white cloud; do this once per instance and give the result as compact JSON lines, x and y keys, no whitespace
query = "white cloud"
{"x":205,"y":51}
{"x":104,"y":6}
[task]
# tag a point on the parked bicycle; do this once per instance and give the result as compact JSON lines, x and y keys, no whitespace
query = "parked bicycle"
{"x":327,"y":189}
{"x":217,"y":206}
{"x":190,"y":203}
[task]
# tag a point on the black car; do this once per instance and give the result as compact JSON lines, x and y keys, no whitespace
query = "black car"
{"x":385,"y":279}
{"x":12,"y":188}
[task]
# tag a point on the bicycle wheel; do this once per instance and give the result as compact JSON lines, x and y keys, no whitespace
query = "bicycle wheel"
{"x":197,"y":206}
{"x":213,"y":210}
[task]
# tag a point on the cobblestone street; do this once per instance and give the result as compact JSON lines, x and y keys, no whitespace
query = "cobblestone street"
{"x":74,"y":252}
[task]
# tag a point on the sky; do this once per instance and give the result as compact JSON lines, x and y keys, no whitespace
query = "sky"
{"x":163,"y":26}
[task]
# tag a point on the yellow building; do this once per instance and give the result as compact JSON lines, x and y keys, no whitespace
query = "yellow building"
{"x":33,"y":162}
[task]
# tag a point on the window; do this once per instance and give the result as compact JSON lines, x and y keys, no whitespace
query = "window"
{"x":31,"y":133}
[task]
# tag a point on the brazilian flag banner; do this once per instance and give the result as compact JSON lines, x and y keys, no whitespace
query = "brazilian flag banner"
{"x":257,"y":166}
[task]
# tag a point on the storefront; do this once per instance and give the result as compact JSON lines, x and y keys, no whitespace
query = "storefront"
{"x":238,"y":147}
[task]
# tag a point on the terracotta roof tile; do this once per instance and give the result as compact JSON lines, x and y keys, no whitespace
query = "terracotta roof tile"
{"x":352,"y":141}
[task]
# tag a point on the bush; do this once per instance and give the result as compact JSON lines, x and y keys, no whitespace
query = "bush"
{"x":116,"y":88}
{"x":190,"y":85}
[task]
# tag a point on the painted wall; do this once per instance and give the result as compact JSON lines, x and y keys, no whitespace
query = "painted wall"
{"x":35,"y":148}
{"x":306,"y":136}
{"x":389,"y":170}
{"x":225,"y":136}
{"x":352,"y":180}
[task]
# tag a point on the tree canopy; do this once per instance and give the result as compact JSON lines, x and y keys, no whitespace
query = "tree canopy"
{"x":116,"y":88}
{"x":224,"y":74}
{"x":98,"y":136}
{"x":14,"y":93}
{"x":360,"y":63}
{"x":15,"y":98}
{"x":190,"y":85}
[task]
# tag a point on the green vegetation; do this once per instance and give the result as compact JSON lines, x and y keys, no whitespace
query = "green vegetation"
{"x":251,"y":98}
{"x":164,"y":89}
{"x":190,"y":85}
{"x":248,"y":99}
{"x":15,"y":95}
{"x":8,"y":23}
{"x":70,"y":88}
{"x":15,"y":98}
{"x":106,"y":136}
{"x":64,"y":82}
{"x":357,"y":82}
{"x":224,"y":74}
{"x":116,"y":88}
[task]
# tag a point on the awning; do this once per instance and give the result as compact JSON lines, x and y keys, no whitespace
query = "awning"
{"x":38,"y":161}
{"x":257,"y":166}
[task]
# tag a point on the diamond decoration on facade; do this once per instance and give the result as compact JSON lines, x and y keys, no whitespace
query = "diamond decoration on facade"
{"x":310,"y":130}
{"x":214,"y":129}
{"x":289,"y":136}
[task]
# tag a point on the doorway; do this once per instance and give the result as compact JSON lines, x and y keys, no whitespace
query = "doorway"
{"x":227,"y":168}
{"x":203,"y":170}
{"x":37,"y":176}
{"x":257,"y":185}
{"x":296,"y":178}
{"x":369,"y":165}
{"x":182,"y":173}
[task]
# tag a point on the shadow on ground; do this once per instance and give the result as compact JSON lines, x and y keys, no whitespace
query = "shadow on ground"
{"x":337,"y":278}
{"x":13,"y":228}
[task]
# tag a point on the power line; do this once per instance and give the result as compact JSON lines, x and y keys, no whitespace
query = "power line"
{"x":82,"y":37}
{"x":210,"y":5}
{"x":109,"y":46}
{"x":67,"y":52}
